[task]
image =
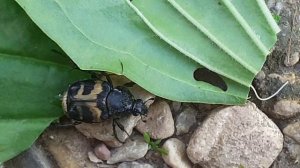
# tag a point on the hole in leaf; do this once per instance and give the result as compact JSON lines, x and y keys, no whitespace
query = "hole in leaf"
{"x":208,"y":76}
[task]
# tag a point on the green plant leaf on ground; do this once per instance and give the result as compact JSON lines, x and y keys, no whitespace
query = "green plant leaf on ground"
{"x":110,"y":36}
{"x":147,"y":137}
{"x":32,"y":76}
{"x":154,"y":145}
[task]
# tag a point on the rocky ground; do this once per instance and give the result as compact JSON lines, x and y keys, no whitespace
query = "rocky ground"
{"x":259,"y":134}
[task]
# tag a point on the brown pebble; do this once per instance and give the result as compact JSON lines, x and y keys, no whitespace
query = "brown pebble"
{"x":291,"y":60}
{"x":102,"y":152}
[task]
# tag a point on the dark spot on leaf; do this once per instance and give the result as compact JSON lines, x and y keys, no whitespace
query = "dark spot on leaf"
{"x":219,"y":3}
{"x":208,"y":76}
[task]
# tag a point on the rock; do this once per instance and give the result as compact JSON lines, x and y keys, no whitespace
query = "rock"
{"x":130,"y":151}
{"x":261,"y":75}
{"x":292,"y":59}
{"x":176,"y":157}
{"x":176,"y":106}
{"x":289,"y":157}
{"x":103,"y":131}
{"x":290,"y":77}
{"x":159,"y":121}
{"x":102,"y":152}
{"x":36,"y":157}
{"x":287,"y":108}
{"x":294,"y":151}
{"x":69,"y":148}
{"x":293,"y":131}
{"x":93,"y":158}
{"x":134,"y":165}
{"x":154,"y":158}
{"x":271,"y":3}
{"x":234,"y":136}
{"x":185,"y":120}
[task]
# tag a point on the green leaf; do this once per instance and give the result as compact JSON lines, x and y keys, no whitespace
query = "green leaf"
{"x":110,"y":36}
{"x":157,"y":142}
{"x":163,"y":151}
{"x":205,"y":39}
{"x":32,"y":76}
{"x":107,"y":35}
{"x":147,"y":137}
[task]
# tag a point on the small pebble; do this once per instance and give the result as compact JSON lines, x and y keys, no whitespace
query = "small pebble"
{"x":130,"y":151}
{"x":176,"y":106}
{"x":185,"y":120}
{"x":278,"y":7}
{"x":286,"y":108}
{"x":159,"y":121}
{"x":176,"y":157}
{"x":293,"y":131}
{"x":102,"y":152}
{"x":290,"y":77}
{"x":93,"y":158}
{"x":134,"y":165}
{"x":261,"y":75}
{"x":292,"y":59}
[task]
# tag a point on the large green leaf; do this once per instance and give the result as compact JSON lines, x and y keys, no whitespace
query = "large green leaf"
{"x":208,"y":32}
{"x":130,"y":39}
{"x":32,"y":76}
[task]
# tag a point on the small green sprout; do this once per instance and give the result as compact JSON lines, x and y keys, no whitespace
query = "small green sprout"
{"x":241,"y":166}
{"x":154,"y":145}
{"x":277,"y":18}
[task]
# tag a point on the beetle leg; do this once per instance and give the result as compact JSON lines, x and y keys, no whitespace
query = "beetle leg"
{"x":116,"y":122}
{"x":108,"y":79}
{"x":73,"y":123}
{"x":115,"y":132}
{"x":129,"y":84}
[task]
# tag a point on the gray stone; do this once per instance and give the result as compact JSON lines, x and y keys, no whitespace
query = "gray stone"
{"x":68,"y":148}
{"x":176,"y":157}
{"x":134,"y":165}
{"x":289,"y":157}
{"x":102,"y":152}
{"x":159,"y":121}
{"x":185,"y":120}
{"x":130,"y":151}
{"x":35,"y":157}
{"x":234,"y":136}
{"x":93,"y":158}
{"x":287,"y":108}
{"x":176,"y":106}
{"x":293,"y":131}
{"x":103,"y":131}
{"x":292,"y":59}
{"x":261,"y":75}
{"x":290,"y":77}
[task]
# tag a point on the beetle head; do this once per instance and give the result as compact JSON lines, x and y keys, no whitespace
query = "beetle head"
{"x":139,"y":108}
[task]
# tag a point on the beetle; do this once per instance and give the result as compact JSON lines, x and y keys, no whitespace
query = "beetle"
{"x":94,"y":100}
